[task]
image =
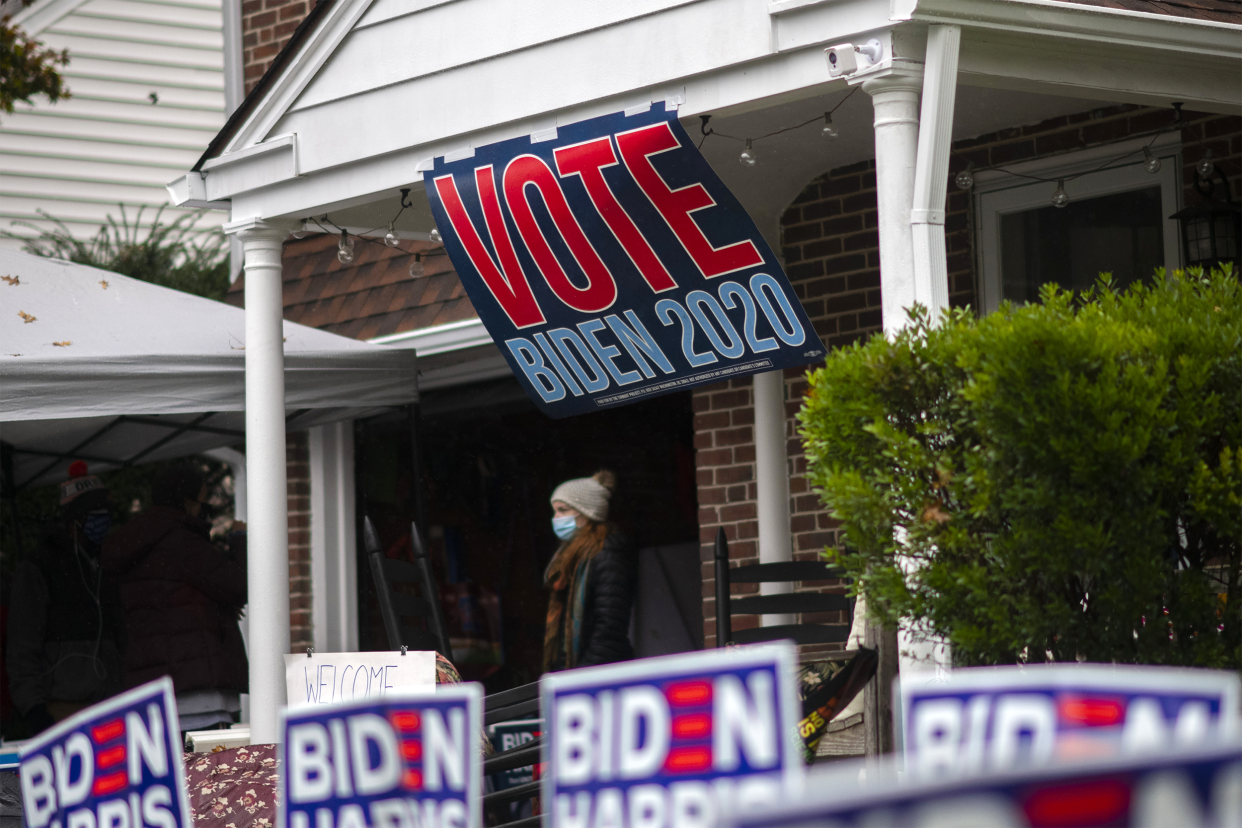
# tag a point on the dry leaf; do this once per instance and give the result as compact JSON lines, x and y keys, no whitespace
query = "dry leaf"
{"x":104,"y":282}
{"x":932,"y":511}
{"x":64,"y":344}
{"x":27,"y":318}
{"x":12,"y":280}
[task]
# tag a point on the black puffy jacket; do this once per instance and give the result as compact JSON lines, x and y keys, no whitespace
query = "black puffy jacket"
{"x":610,"y":585}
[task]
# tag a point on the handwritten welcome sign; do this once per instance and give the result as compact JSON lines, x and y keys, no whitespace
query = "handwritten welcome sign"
{"x":332,"y":678}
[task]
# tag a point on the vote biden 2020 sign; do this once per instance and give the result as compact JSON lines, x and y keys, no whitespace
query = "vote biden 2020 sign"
{"x":672,"y":741}
{"x":411,"y":762}
{"x":114,"y":765}
{"x":610,"y":264}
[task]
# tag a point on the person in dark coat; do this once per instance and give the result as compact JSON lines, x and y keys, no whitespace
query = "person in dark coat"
{"x":64,"y":633}
{"x":182,"y":598}
{"x":591,"y":577}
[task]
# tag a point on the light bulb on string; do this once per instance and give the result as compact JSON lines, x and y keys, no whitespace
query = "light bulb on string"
{"x":829,"y":131}
{"x":300,"y":233}
{"x":747,"y":158}
{"x":966,"y":178}
{"x":1060,"y":198}
{"x":1150,"y":163}
{"x":435,"y":236}
{"x":1205,"y":167}
{"x":345,"y":249}
{"x":416,"y":266}
{"x":390,"y":238}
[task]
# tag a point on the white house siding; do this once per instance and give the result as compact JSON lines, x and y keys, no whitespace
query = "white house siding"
{"x":109,"y":144}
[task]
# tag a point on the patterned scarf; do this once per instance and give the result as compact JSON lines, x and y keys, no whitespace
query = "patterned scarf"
{"x":566,"y":577}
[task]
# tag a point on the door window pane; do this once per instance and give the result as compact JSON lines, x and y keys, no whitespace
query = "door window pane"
{"x":1120,"y":233}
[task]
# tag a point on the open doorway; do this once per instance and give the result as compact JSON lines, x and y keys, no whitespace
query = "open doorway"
{"x":488,"y":463}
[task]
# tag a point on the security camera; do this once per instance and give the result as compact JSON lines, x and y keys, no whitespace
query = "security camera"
{"x":842,"y":59}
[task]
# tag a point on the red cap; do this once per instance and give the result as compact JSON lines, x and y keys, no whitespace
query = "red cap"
{"x":78,"y":469}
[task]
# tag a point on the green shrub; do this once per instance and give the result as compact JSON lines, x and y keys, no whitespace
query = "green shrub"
{"x":1056,"y":481}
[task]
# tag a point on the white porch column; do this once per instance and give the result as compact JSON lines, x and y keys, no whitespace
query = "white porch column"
{"x":895,"y":98}
{"x":772,"y":481}
{"x":267,"y":504}
{"x":334,"y":562}
{"x":931,"y":267}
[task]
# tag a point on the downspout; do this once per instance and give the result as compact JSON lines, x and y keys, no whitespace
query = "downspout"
{"x":931,"y":169}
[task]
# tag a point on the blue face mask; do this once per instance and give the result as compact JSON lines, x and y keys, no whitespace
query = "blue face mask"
{"x":96,"y":525}
{"x":565,"y":527}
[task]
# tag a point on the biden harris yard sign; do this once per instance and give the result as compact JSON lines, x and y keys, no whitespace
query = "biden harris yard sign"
{"x":994,"y":718}
{"x":412,"y":762}
{"x":672,"y":741}
{"x":611,"y":264}
{"x":114,"y":765}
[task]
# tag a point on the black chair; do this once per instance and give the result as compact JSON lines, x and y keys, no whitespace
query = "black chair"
{"x":785,"y":603}
{"x":398,"y":606}
{"x":508,"y":706}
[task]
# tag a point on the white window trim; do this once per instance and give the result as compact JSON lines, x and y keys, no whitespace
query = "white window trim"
{"x":997,"y":194}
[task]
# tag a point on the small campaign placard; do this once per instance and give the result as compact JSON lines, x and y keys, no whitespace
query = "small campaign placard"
{"x":671,"y":741}
{"x":389,"y":763}
{"x":1198,"y":788}
{"x":992,"y":718}
{"x":114,"y":765}
{"x":332,"y":678}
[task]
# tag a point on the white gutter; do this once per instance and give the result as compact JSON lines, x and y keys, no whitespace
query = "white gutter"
{"x":931,"y":168}
{"x":1076,"y":21}
{"x":455,"y":336}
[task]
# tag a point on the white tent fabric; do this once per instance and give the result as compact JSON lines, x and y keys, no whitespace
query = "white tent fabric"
{"x":118,"y":370}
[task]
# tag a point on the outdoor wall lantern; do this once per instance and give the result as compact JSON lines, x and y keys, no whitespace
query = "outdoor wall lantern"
{"x":1212,"y":230}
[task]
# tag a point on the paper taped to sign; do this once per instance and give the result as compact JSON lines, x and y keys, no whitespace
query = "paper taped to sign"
{"x":114,"y":765}
{"x":394,"y":763}
{"x":671,"y":741}
{"x":993,"y":718}
{"x":332,"y":678}
{"x":611,"y":264}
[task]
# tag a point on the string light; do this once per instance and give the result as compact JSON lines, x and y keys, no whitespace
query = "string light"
{"x":747,"y":158}
{"x":1205,"y":167}
{"x":1060,"y":198}
{"x":435,"y":236}
{"x":300,"y":233}
{"x":966,"y":178}
{"x":345,"y":249}
{"x":416,"y":266}
{"x":829,"y":131}
{"x":390,"y":238}
{"x":1152,"y":163}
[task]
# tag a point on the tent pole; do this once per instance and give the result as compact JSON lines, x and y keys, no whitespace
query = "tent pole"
{"x":267,"y":503}
{"x":10,"y":484}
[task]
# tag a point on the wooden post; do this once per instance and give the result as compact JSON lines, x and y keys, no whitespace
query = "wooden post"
{"x":878,"y":695}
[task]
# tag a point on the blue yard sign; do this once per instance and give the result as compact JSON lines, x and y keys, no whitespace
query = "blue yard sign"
{"x":611,"y":264}
{"x":672,"y":741}
{"x":115,"y":765}
{"x":993,"y":718}
{"x":396,"y":763}
{"x":1198,"y":788}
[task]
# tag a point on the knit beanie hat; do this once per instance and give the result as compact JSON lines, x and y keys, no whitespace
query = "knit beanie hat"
{"x":78,"y":484}
{"x":589,"y":495}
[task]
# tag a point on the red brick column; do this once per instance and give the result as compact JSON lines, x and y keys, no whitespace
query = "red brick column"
{"x":301,"y":632}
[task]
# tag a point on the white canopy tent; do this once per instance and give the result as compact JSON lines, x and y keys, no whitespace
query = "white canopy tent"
{"x":117,"y":371}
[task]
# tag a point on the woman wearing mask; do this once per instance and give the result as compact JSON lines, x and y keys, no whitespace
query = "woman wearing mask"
{"x":591,"y":577}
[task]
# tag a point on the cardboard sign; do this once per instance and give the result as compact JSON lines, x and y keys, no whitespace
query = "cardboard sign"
{"x":611,"y":264}
{"x":333,"y":678}
{"x":1193,"y":789}
{"x":395,"y":763}
{"x":115,"y":765}
{"x":671,"y":741}
{"x":992,"y":718}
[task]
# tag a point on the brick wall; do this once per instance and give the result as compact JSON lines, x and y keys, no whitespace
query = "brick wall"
{"x":266,"y":27}
{"x":301,"y":632}
{"x":831,"y":252}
